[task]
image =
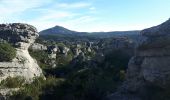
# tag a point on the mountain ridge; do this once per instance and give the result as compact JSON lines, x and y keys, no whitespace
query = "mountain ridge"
{"x":59,"y":30}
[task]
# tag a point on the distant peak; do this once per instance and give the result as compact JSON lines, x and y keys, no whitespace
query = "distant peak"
{"x":57,"y":26}
{"x":58,"y":30}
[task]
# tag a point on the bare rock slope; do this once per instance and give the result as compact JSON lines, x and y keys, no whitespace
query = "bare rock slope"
{"x":150,"y":66}
{"x":21,"y":36}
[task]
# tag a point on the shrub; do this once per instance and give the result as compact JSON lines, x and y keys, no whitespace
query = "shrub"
{"x":41,"y":57}
{"x":12,"y":82}
{"x":63,"y":60}
{"x":7,"y":52}
{"x":34,"y":90}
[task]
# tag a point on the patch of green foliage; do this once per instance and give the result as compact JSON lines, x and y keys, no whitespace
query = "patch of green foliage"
{"x":71,"y":38}
{"x":34,"y":90}
{"x":83,"y":81}
{"x":118,"y":58}
{"x":63,"y":60}
{"x":90,"y":54}
{"x":12,"y":82}
{"x":61,"y":44}
{"x":89,"y":82}
{"x":7,"y":52}
{"x":41,"y":57}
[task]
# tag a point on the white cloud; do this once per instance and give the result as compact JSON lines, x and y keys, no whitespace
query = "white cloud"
{"x":73,"y":24}
{"x":18,"y":6}
{"x":57,"y":14}
{"x":74,"y":5}
{"x":92,"y":8}
{"x":53,"y":15}
{"x":12,"y":9}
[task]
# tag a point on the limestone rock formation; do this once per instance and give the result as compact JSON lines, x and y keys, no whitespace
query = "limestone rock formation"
{"x":64,"y":50}
{"x":52,"y":51}
{"x":21,"y":36}
{"x":150,"y":66}
{"x":37,"y":46}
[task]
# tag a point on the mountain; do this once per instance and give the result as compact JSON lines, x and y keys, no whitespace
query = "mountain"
{"x":59,"y":30}
{"x":59,"y":33}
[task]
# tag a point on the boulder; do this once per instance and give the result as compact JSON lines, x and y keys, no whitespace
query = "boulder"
{"x":21,"y":36}
{"x":37,"y":46}
{"x":52,"y":51}
{"x":64,"y":50}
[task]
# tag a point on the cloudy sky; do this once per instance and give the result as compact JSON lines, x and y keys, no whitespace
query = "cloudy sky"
{"x":86,"y":15}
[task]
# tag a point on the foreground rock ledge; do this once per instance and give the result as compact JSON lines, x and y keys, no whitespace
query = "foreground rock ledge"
{"x":150,"y":66}
{"x":21,"y":36}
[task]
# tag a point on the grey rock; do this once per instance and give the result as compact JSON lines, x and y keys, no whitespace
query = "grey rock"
{"x":89,"y":49}
{"x":64,"y":50}
{"x":89,"y":44}
{"x":151,"y":64}
{"x":21,"y":36}
{"x":17,"y":32}
{"x":37,"y":46}
{"x":52,"y":49}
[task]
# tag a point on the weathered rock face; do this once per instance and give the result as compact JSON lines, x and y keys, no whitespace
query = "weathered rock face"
{"x":21,"y":36}
{"x":64,"y":50}
{"x":151,"y":64}
{"x":52,"y":51}
{"x":154,"y":55}
{"x":37,"y":46}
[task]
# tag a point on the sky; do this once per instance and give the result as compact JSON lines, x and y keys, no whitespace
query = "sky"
{"x":86,"y":15}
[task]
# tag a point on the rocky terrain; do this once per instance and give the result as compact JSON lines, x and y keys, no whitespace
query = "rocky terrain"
{"x":98,"y":61}
{"x":128,"y":66}
{"x":21,"y":36}
{"x":148,"y":71}
{"x":87,"y":49}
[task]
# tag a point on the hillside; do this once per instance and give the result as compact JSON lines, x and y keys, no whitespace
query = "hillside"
{"x":59,"y":33}
{"x":59,"y":30}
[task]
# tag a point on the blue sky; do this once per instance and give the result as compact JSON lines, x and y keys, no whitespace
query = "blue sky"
{"x":86,"y":15}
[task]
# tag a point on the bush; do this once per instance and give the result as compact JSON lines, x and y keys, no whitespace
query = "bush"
{"x":34,"y":90}
{"x":63,"y":60}
{"x":89,"y":82}
{"x":12,"y":82}
{"x":7,"y":52}
{"x":41,"y":57}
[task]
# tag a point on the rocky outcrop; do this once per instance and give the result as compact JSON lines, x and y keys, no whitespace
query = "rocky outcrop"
{"x":21,"y":36}
{"x":77,"y":51}
{"x":64,"y":50}
{"x":37,"y":46}
{"x":52,"y":51}
{"x":150,"y":66}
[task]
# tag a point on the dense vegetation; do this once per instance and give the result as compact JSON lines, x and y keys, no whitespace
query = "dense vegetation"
{"x":91,"y":83}
{"x":7,"y":52}
{"x":41,"y":57}
{"x":34,"y":90}
{"x":60,"y":37}
{"x":78,"y":82}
